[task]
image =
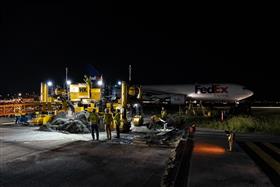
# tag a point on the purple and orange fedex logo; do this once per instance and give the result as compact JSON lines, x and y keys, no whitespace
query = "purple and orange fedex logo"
{"x":214,"y":88}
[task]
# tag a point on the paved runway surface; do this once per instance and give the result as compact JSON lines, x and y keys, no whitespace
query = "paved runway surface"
{"x":212,"y":165}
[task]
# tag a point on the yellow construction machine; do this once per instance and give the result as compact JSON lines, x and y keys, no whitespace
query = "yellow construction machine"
{"x":84,"y":96}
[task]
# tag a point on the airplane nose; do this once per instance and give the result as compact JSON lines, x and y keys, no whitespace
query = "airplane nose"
{"x":249,"y":93}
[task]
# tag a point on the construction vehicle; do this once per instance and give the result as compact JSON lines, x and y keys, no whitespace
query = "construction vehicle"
{"x":86,"y":97}
{"x":50,"y":105}
{"x":42,"y":119}
{"x":135,"y":96}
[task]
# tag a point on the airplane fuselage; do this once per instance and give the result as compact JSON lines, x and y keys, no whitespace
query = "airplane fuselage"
{"x":209,"y":92}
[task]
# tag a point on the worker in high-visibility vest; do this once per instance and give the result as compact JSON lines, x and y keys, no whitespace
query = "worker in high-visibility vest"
{"x":163,"y":114}
{"x":18,"y":114}
{"x":231,"y":140}
{"x":108,"y":121}
{"x":117,"y":120}
{"x":94,"y":120}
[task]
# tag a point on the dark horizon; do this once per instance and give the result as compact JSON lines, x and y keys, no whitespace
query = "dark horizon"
{"x":39,"y":40}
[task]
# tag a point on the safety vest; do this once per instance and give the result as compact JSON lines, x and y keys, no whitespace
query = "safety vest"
{"x":163,"y":114}
{"x":93,"y":118}
{"x":18,"y":111}
{"x":108,"y":118}
{"x":231,"y":137}
{"x":117,"y":118}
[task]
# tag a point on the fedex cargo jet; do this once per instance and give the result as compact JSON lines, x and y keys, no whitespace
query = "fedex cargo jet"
{"x":203,"y":92}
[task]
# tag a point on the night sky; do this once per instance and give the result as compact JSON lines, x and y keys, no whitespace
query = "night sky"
{"x":165,"y":43}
